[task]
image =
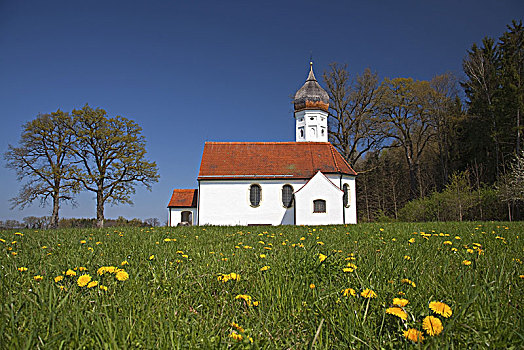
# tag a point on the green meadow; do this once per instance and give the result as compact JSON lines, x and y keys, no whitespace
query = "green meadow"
{"x":322,"y":287}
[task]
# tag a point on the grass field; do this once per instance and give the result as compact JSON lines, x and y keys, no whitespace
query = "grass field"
{"x":264,"y":287}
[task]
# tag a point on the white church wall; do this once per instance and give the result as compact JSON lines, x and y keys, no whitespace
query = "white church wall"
{"x":175,"y":215}
{"x":311,"y":125}
{"x":350,"y":212}
{"x":319,"y":187}
{"x":224,"y":202}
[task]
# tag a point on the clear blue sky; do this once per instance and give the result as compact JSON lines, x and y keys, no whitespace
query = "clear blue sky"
{"x":196,"y":71}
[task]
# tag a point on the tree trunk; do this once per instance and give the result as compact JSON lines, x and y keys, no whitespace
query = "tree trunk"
{"x":54,"y":215}
{"x":518,"y":129}
{"x":99,"y":210}
{"x":413,"y":185}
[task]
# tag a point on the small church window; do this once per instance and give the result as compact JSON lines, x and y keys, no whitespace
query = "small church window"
{"x":319,"y":206}
{"x":301,"y":132}
{"x":287,"y":196}
{"x":255,"y":195}
{"x":312,"y":118}
{"x":323,"y":131}
{"x":345,"y":198}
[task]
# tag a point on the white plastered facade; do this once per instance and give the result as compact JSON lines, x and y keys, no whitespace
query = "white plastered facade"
{"x":227,"y":202}
{"x":311,"y":126}
{"x":175,"y":215}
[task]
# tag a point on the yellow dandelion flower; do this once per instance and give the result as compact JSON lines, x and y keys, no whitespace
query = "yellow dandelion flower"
{"x":83,"y":280}
{"x":152,"y":257}
{"x":312,"y":286}
{"x":457,"y":237}
{"x":440,"y":308}
{"x":432,"y":325}
{"x":59,"y":278}
{"x":104,"y":288}
{"x":124,"y":263}
{"x":265,"y":268}
{"x":320,"y":243}
{"x":466,"y":262}
{"x":469,"y":250}
{"x":19,"y":233}
{"x":407,"y":257}
{"x":400,"y":302}
{"x":414,"y":335}
{"x":92,"y":284}
{"x":412,"y":240}
{"x":14,"y":253}
{"x":38,"y":278}
{"x":321,"y":257}
{"x":70,"y":273}
{"x":167,"y":239}
{"x":368,"y":293}
{"x":448,"y":243}
{"x":243,"y":297}
{"x":235,"y":336}
{"x":22,"y":269}
{"x":82,"y":268}
{"x":122,"y":275}
{"x":410,"y":282}
{"x":255,"y":303}
{"x":262,"y":256}
{"x":454,"y":249}
{"x":349,"y":292}
{"x":397,"y":311}
{"x":237,"y":327}
{"x":83,"y":241}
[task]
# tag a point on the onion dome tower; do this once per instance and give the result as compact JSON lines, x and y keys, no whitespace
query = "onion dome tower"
{"x":311,"y":111}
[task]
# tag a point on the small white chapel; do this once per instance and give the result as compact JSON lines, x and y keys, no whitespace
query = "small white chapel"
{"x":306,"y":182}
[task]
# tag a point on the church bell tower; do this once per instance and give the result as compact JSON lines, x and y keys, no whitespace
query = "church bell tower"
{"x":311,"y":111}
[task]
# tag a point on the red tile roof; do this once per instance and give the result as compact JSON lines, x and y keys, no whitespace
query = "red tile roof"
{"x":270,"y":160}
{"x":184,"y":198}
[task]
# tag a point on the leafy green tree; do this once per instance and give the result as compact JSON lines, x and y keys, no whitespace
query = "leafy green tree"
{"x":111,"y":156}
{"x":482,"y":141}
{"x":511,"y":50}
{"x":43,"y":159}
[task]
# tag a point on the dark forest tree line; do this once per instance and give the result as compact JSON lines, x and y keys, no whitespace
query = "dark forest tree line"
{"x":424,"y":154}
{"x":60,"y":154}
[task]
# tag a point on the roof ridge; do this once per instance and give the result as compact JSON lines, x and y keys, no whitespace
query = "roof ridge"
{"x":334,"y":158}
{"x":264,"y":142}
{"x":343,"y":159}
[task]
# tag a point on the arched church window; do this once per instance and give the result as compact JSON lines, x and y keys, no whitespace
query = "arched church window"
{"x":301,"y":132}
{"x":287,"y":196}
{"x":345,"y":198}
{"x":255,"y":195}
{"x":319,"y":206}
{"x":187,"y":217}
{"x":312,"y":131}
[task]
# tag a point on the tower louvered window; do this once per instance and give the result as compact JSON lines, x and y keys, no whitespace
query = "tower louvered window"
{"x":319,"y":206}
{"x":287,"y":196}
{"x":255,"y":195}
